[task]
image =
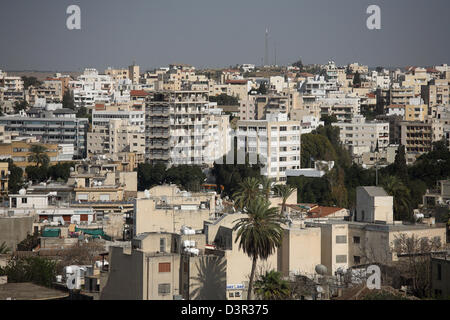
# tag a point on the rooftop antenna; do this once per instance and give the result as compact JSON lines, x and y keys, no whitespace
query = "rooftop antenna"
{"x":275,"y":53}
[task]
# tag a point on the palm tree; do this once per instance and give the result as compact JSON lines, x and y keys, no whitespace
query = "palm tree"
{"x":248,"y":191}
{"x":396,"y":188}
{"x":259,"y":233}
{"x":266,"y":186}
{"x":38,"y":155}
{"x":4,"y":249}
{"x":284,"y":191}
{"x":271,"y":286}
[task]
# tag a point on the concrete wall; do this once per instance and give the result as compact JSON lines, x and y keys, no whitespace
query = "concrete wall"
{"x":300,"y":251}
{"x":15,"y":229}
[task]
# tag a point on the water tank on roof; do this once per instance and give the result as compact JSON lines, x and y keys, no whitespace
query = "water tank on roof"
{"x":321,"y":269}
{"x":22,"y":192}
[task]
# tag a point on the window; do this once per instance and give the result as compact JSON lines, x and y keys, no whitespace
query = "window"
{"x":356,"y":239}
{"x":231,"y":295}
{"x":163,"y":289}
{"x":162,"y":245}
{"x":341,"y":258}
{"x":362,"y":215}
{"x":24,"y":200}
{"x":237,"y":294}
{"x":341,"y":239}
{"x":164,"y":267}
{"x":356,"y":259}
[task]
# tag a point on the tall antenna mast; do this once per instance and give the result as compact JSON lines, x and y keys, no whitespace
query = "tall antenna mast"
{"x":266,"y":48}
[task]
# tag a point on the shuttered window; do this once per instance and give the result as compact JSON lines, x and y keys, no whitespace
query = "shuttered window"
{"x":164,"y":267}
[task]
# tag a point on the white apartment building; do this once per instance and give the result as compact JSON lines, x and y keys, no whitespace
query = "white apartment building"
{"x":309,"y":123}
{"x":134,"y":118}
{"x":275,"y":140}
{"x":177,"y":128}
{"x":360,"y":136}
{"x":91,"y":88}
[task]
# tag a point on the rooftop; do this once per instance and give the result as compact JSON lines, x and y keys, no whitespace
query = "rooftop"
{"x":375,"y":191}
{"x":29,"y":291}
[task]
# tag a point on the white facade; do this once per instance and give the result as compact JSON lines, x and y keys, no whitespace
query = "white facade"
{"x":276,"y":141}
{"x":361,"y":136}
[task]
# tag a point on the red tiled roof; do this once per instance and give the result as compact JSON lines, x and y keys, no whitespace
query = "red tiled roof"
{"x":100,"y":106}
{"x":237,"y":81}
{"x":371,"y":95}
{"x":138,"y":93}
{"x":306,"y":74}
{"x":320,"y":211}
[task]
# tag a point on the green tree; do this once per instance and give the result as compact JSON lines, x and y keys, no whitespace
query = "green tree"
{"x":402,"y":201}
{"x":37,"y":174}
{"x":357,"y":80}
{"x":30,"y":81}
{"x":68,"y":100}
{"x":262,"y":88}
{"x":400,"y":167}
{"x":258,"y":234}
{"x":224,"y":100}
{"x":60,"y":171}
{"x":248,"y":191}
{"x":29,"y":243}
{"x":15,"y":177}
{"x":20,"y":105}
{"x":328,"y":119}
{"x":271,"y":286}
{"x":266,"y":186}
{"x":39,"y":155}
{"x":38,"y":270}
{"x":284,"y":191}
{"x":298,"y":64}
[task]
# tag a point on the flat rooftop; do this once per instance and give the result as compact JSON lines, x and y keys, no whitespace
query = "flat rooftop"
{"x":29,"y":291}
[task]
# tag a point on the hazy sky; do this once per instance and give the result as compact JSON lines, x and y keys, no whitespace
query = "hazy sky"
{"x":212,"y":33}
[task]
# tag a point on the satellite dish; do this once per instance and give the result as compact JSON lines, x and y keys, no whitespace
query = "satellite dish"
{"x":319,"y":289}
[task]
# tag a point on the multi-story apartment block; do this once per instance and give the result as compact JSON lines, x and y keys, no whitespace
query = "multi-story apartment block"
{"x":276,"y":141}
{"x":51,"y":91}
{"x":58,"y":127}
{"x":401,"y":95}
{"x":91,"y":88}
{"x":361,"y":136}
{"x":117,"y":74}
{"x":176,"y":127}
{"x":116,"y":137}
{"x":417,"y":137}
{"x":258,"y":106}
{"x":340,"y":105}
{"x":437,"y":92}
{"x":103,"y":114}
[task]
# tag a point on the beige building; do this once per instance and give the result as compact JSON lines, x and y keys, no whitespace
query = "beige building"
{"x":373,"y":204}
{"x":167,"y":208}
{"x":300,"y":250}
{"x":117,"y":74}
{"x":165,"y":266}
{"x":133,"y":73}
{"x":440,"y":276}
{"x":221,"y":238}
{"x":117,"y":137}
{"x":417,"y":137}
